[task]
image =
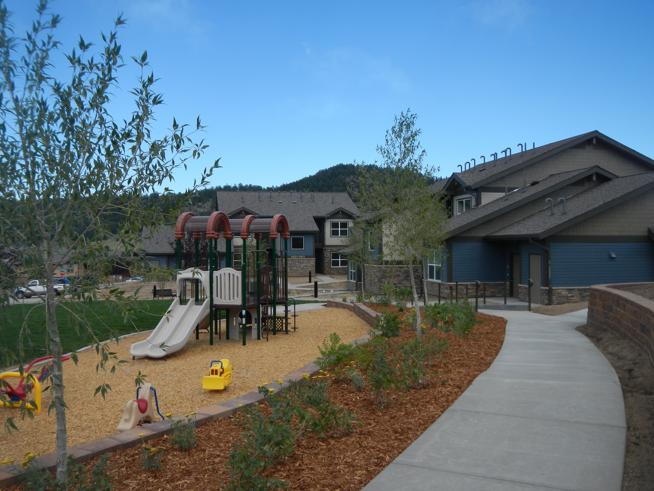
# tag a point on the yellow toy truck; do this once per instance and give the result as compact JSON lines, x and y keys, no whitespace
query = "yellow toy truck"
{"x":220,"y":375}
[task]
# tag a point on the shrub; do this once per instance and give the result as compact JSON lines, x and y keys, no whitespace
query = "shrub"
{"x":42,"y":480}
{"x":334,"y":353}
{"x":357,"y":380}
{"x":452,"y":317}
{"x":388,"y":294}
{"x":380,"y":374}
{"x":183,"y":433}
{"x":387,"y":325}
{"x":151,"y":457}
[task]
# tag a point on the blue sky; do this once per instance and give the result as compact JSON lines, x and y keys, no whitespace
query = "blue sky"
{"x":289,"y":88}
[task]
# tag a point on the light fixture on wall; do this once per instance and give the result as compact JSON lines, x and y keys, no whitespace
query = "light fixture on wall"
{"x":612,"y":256}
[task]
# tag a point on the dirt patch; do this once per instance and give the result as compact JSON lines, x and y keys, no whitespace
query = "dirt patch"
{"x":177,"y":379}
{"x":565,"y":308}
{"x":636,"y":375}
{"x":344,"y":463}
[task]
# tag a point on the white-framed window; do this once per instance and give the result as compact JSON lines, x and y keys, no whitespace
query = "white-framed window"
{"x":352,"y":272}
{"x":297,"y":242}
{"x":462,"y":204}
{"x":237,"y":257}
{"x":339,"y":229}
{"x":339,"y":260}
{"x":434,"y":268}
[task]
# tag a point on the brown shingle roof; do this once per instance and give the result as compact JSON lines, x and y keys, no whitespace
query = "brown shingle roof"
{"x":483,"y":213}
{"x":493,"y":169}
{"x":578,"y":207}
{"x":299,"y":208}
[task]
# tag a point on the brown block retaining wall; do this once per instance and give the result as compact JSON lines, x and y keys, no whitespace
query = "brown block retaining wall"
{"x":617,"y":307}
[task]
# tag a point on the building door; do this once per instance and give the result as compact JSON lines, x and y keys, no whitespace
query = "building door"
{"x":535,"y":273}
{"x":515,"y":276}
{"x":320,"y":261}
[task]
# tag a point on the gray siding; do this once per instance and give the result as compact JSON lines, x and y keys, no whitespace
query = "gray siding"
{"x":629,"y":219}
{"x":581,"y":157}
{"x":524,"y":210}
{"x":584,"y":264}
{"x":477,"y":260}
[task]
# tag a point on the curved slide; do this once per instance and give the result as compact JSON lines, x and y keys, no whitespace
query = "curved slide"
{"x":173,"y":330}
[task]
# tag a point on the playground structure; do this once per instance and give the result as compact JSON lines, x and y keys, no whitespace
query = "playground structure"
{"x":28,"y":383}
{"x":220,"y":375}
{"x":211,"y":285}
{"x":141,"y":409}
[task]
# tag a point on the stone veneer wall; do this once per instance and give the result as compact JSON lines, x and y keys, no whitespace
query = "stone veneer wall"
{"x":618,"y":308}
{"x":327,"y":261}
{"x":300,"y":266}
{"x":559,"y":295}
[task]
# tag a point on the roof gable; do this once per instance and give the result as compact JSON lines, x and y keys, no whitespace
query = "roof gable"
{"x":515,"y":199}
{"x":492,"y":170}
{"x":579,"y":207}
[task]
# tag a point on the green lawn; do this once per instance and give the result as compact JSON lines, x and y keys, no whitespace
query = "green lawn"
{"x":106,"y":318}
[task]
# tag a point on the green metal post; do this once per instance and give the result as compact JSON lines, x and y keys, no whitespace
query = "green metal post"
{"x":211,"y":266}
{"x":274,"y":285}
{"x":197,"y":265}
{"x":258,"y":275}
{"x":285,"y":281}
{"x":229,"y":262}
{"x":178,"y":253}
{"x":244,"y":284}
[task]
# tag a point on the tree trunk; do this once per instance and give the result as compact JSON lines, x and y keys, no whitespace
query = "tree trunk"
{"x":414,"y":292}
{"x":56,"y":350}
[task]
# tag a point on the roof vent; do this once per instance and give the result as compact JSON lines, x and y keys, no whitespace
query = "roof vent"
{"x":494,"y":155}
{"x":533,"y":145}
{"x":550,"y":203}
{"x":474,"y":162}
{"x":522,"y":147}
{"x":507,"y":152}
{"x":563,"y":209}
{"x":483,"y":157}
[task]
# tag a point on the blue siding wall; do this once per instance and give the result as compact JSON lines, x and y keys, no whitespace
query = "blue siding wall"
{"x":584,"y":264}
{"x":477,"y":260}
{"x":308,"y":246}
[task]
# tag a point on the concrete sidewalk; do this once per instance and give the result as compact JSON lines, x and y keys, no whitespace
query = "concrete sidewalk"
{"x":548,"y":414}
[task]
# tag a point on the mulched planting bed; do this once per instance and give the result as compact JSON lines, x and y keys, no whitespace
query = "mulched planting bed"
{"x":345,"y":462}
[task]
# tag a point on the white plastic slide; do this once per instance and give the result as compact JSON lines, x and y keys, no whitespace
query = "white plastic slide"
{"x":175,"y":327}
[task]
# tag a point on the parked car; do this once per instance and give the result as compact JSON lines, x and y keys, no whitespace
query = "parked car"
{"x":134,"y":279}
{"x":36,"y":288}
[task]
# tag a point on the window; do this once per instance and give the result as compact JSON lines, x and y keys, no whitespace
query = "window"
{"x":236,"y":259}
{"x":339,"y":260}
{"x":462,"y":204}
{"x":339,"y":229}
{"x":297,"y":242}
{"x":434,"y":268}
{"x":352,"y":273}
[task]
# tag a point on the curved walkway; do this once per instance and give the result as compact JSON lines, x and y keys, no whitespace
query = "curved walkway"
{"x":547,"y":414}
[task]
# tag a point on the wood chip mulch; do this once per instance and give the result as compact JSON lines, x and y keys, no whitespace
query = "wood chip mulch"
{"x":344,"y":463}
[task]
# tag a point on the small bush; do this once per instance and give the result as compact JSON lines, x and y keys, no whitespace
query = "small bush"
{"x":42,"y":480}
{"x":380,"y":374}
{"x":183,"y":433}
{"x":356,"y":378}
{"x":387,"y":325}
{"x":245,"y":470}
{"x":334,"y":353}
{"x":412,"y":363}
{"x":151,"y":457}
{"x":452,"y":317}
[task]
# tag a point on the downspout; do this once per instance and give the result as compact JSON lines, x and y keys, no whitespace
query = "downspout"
{"x":210,"y":246}
{"x":285,"y":283}
{"x":274,"y":284}
{"x":258,"y":270}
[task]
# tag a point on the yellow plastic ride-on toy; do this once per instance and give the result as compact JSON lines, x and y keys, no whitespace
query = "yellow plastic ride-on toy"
{"x":220,"y":375}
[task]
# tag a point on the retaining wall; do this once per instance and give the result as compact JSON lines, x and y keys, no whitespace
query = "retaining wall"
{"x":619,"y":308}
